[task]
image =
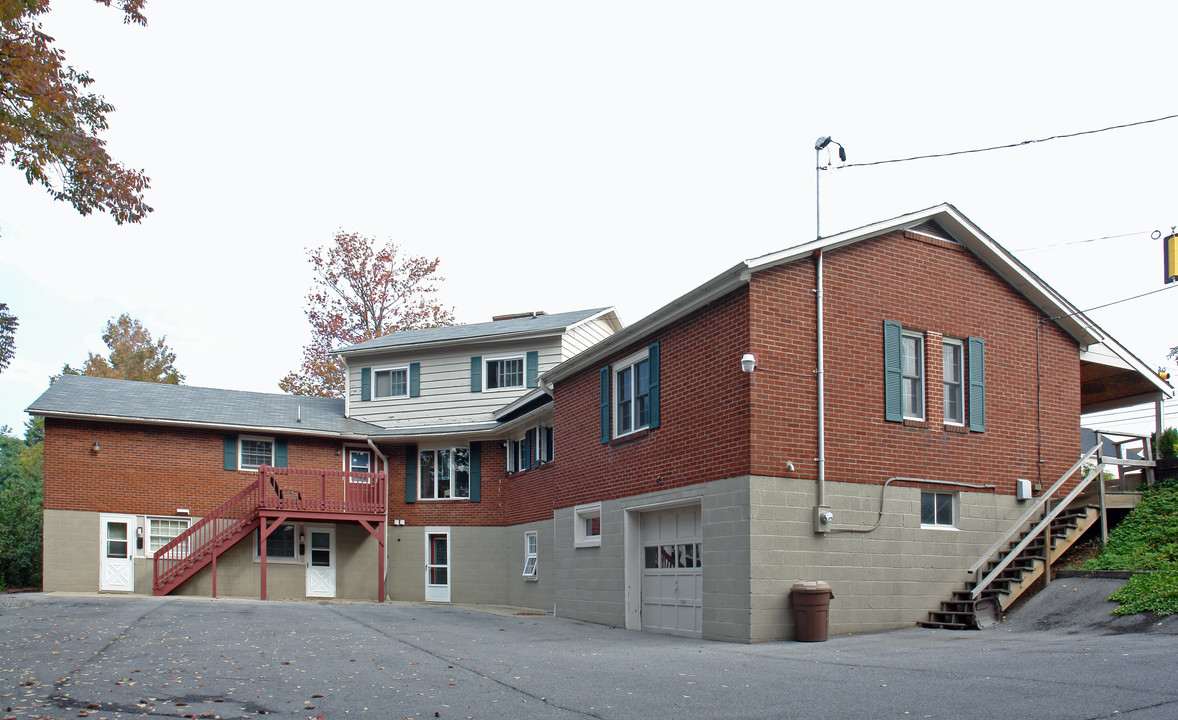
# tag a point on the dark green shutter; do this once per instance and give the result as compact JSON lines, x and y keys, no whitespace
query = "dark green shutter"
{"x":977,"y":384}
{"x":279,"y":453}
{"x":230,"y":452}
{"x":476,"y":373}
{"x":605,"y":405}
{"x":366,"y":383}
{"x":893,"y":372}
{"x":410,"y":473}
{"x":653,"y":398}
{"x":533,"y":368}
{"x":551,"y":443}
{"x":476,"y":472}
{"x":414,"y":379}
{"x":530,"y":442}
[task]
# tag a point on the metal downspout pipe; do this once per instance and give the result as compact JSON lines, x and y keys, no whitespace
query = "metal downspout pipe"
{"x":822,"y":516}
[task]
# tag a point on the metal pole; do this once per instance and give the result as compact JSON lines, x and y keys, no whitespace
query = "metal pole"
{"x":817,"y":193}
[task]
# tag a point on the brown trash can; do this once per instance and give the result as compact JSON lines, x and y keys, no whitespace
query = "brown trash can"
{"x":811,"y":600}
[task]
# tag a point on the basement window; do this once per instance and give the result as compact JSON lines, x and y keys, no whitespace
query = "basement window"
{"x":938,"y":510}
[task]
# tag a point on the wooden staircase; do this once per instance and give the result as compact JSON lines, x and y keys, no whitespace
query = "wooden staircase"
{"x":202,"y":543}
{"x":960,"y":611}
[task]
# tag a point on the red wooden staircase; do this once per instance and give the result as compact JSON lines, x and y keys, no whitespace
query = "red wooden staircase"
{"x":200,"y":544}
{"x":278,"y":495}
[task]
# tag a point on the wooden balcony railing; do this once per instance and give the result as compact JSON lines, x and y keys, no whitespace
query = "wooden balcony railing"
{"x":325,"y":491}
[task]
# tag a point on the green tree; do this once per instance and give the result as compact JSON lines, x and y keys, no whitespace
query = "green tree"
{"x":8,"y":325}
{"x":362,"y":291}
{"x":50,"y":122}
{"x":133,"y":355}
{"x":21,"y":506}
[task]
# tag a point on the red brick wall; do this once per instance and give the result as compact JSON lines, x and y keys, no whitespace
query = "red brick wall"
{"x":927,"y":285}
{"x":152,"y":470}
{"x":488,"y":511}
{"x":704,"y":421}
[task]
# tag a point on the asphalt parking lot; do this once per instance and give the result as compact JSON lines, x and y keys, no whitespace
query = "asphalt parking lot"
{"x":69,"y":656}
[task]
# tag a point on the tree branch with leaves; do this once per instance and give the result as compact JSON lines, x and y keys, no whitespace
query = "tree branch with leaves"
{"x":362,"y":291}
{"x":8,"y":324}
{"x":50,"y":122}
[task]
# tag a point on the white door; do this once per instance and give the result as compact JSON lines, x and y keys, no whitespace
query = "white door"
{"x":672,"y":571}
{"x":117,"y":554}
{"x":320,"y":562}
{"x":437,"y":565}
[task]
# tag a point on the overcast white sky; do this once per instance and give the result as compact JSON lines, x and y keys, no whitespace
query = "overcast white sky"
{"x":559,"y":156}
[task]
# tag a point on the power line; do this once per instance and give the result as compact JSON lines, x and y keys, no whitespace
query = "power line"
{"x":1110,"y":304}
{"x":1010,"y":145}
{"x":1080,"y":242}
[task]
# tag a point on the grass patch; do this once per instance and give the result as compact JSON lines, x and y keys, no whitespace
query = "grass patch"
{"x":1151,"y":591}
{"x":1146,"y":539}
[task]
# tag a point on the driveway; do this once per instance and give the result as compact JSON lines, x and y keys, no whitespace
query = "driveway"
{"x":68,"y":656}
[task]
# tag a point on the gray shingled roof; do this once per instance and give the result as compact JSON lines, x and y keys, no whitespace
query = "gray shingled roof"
{"x":525,"y":325}
{"x":77,"y":395}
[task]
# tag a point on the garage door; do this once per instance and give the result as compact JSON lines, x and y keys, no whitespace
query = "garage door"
{"x":672,"y":573}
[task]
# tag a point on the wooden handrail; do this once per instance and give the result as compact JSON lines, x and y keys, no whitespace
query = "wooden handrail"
{"x":175,"y":557}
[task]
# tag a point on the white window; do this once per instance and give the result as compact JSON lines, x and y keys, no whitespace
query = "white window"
{"x":912,"y":375}
{"x":280,"y":544}
{"x":587,"y":525}
{"x":517,"y":455}
{"x":953,"y":381}
{"x":254,"y":452}
{"x":632,"y":394}
{"x":505,"y":373}
{"x":161,"y":531}
{"x":444,"y":474}
{"x":359,"y":461}
{"x":390,"y":382}
{"x":544,"y":444}
{"x":531,"y":547}
{"x":938,"y":509}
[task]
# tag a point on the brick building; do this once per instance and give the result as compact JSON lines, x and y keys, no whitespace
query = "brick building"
{"x":855,"y":409}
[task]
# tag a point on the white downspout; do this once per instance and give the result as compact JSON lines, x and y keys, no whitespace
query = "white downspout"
{"x":822,"y":518}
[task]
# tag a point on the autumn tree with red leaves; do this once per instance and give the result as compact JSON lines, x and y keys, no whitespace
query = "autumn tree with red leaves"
{"x":50,"y":122}
{"x":361,"y":292}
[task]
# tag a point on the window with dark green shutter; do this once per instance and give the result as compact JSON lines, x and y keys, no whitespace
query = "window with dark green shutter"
{"x":476,"y":373}
{"x":410,"y":473}
{"x":366,"y":383}
{"x":414,"y":379}
{"x":893,"y":372}
{"x":605,"y":380}
{"x":230,"y":452}
{"x":977,"y":384}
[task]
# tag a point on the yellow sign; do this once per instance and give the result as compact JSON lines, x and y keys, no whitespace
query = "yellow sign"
{"x":1170,"y":248}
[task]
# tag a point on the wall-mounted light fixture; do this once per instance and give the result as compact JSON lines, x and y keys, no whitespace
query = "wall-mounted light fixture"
{"x":339,"y":451}
{"x":138,"y":537}
{"x":748,"y":362}
{"x":95,"y":447}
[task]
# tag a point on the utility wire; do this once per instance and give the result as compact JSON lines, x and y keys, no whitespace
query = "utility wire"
{"x":1109,"y":304}
{"x":1080,"y":242}
{"x":1010,"y":145}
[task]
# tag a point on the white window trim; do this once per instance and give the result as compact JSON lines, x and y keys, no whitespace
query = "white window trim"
{"x":514,"y":446}
{"x":391,"y":368}
{"x":253,"y":468}
{"x":420,"y":495}
{"x":581,"y":513}
{"x":960,"y":345}
{"x":543,"y":450}
{"x":147,"y":535}
{"x":618,"y":368}
{"x":346,"y":461}
{"x":956,"y":525}
{"x":921,"y":368}
{"x":523,"y":378}
{"x":531,"y":557}
{"x":297,"y":559}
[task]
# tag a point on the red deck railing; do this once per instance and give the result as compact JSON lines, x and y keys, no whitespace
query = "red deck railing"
{"x":326,"y":491}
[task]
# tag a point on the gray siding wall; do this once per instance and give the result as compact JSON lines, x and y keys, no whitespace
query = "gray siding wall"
{"x":584,"y":336}
{"x":445,"y":385}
